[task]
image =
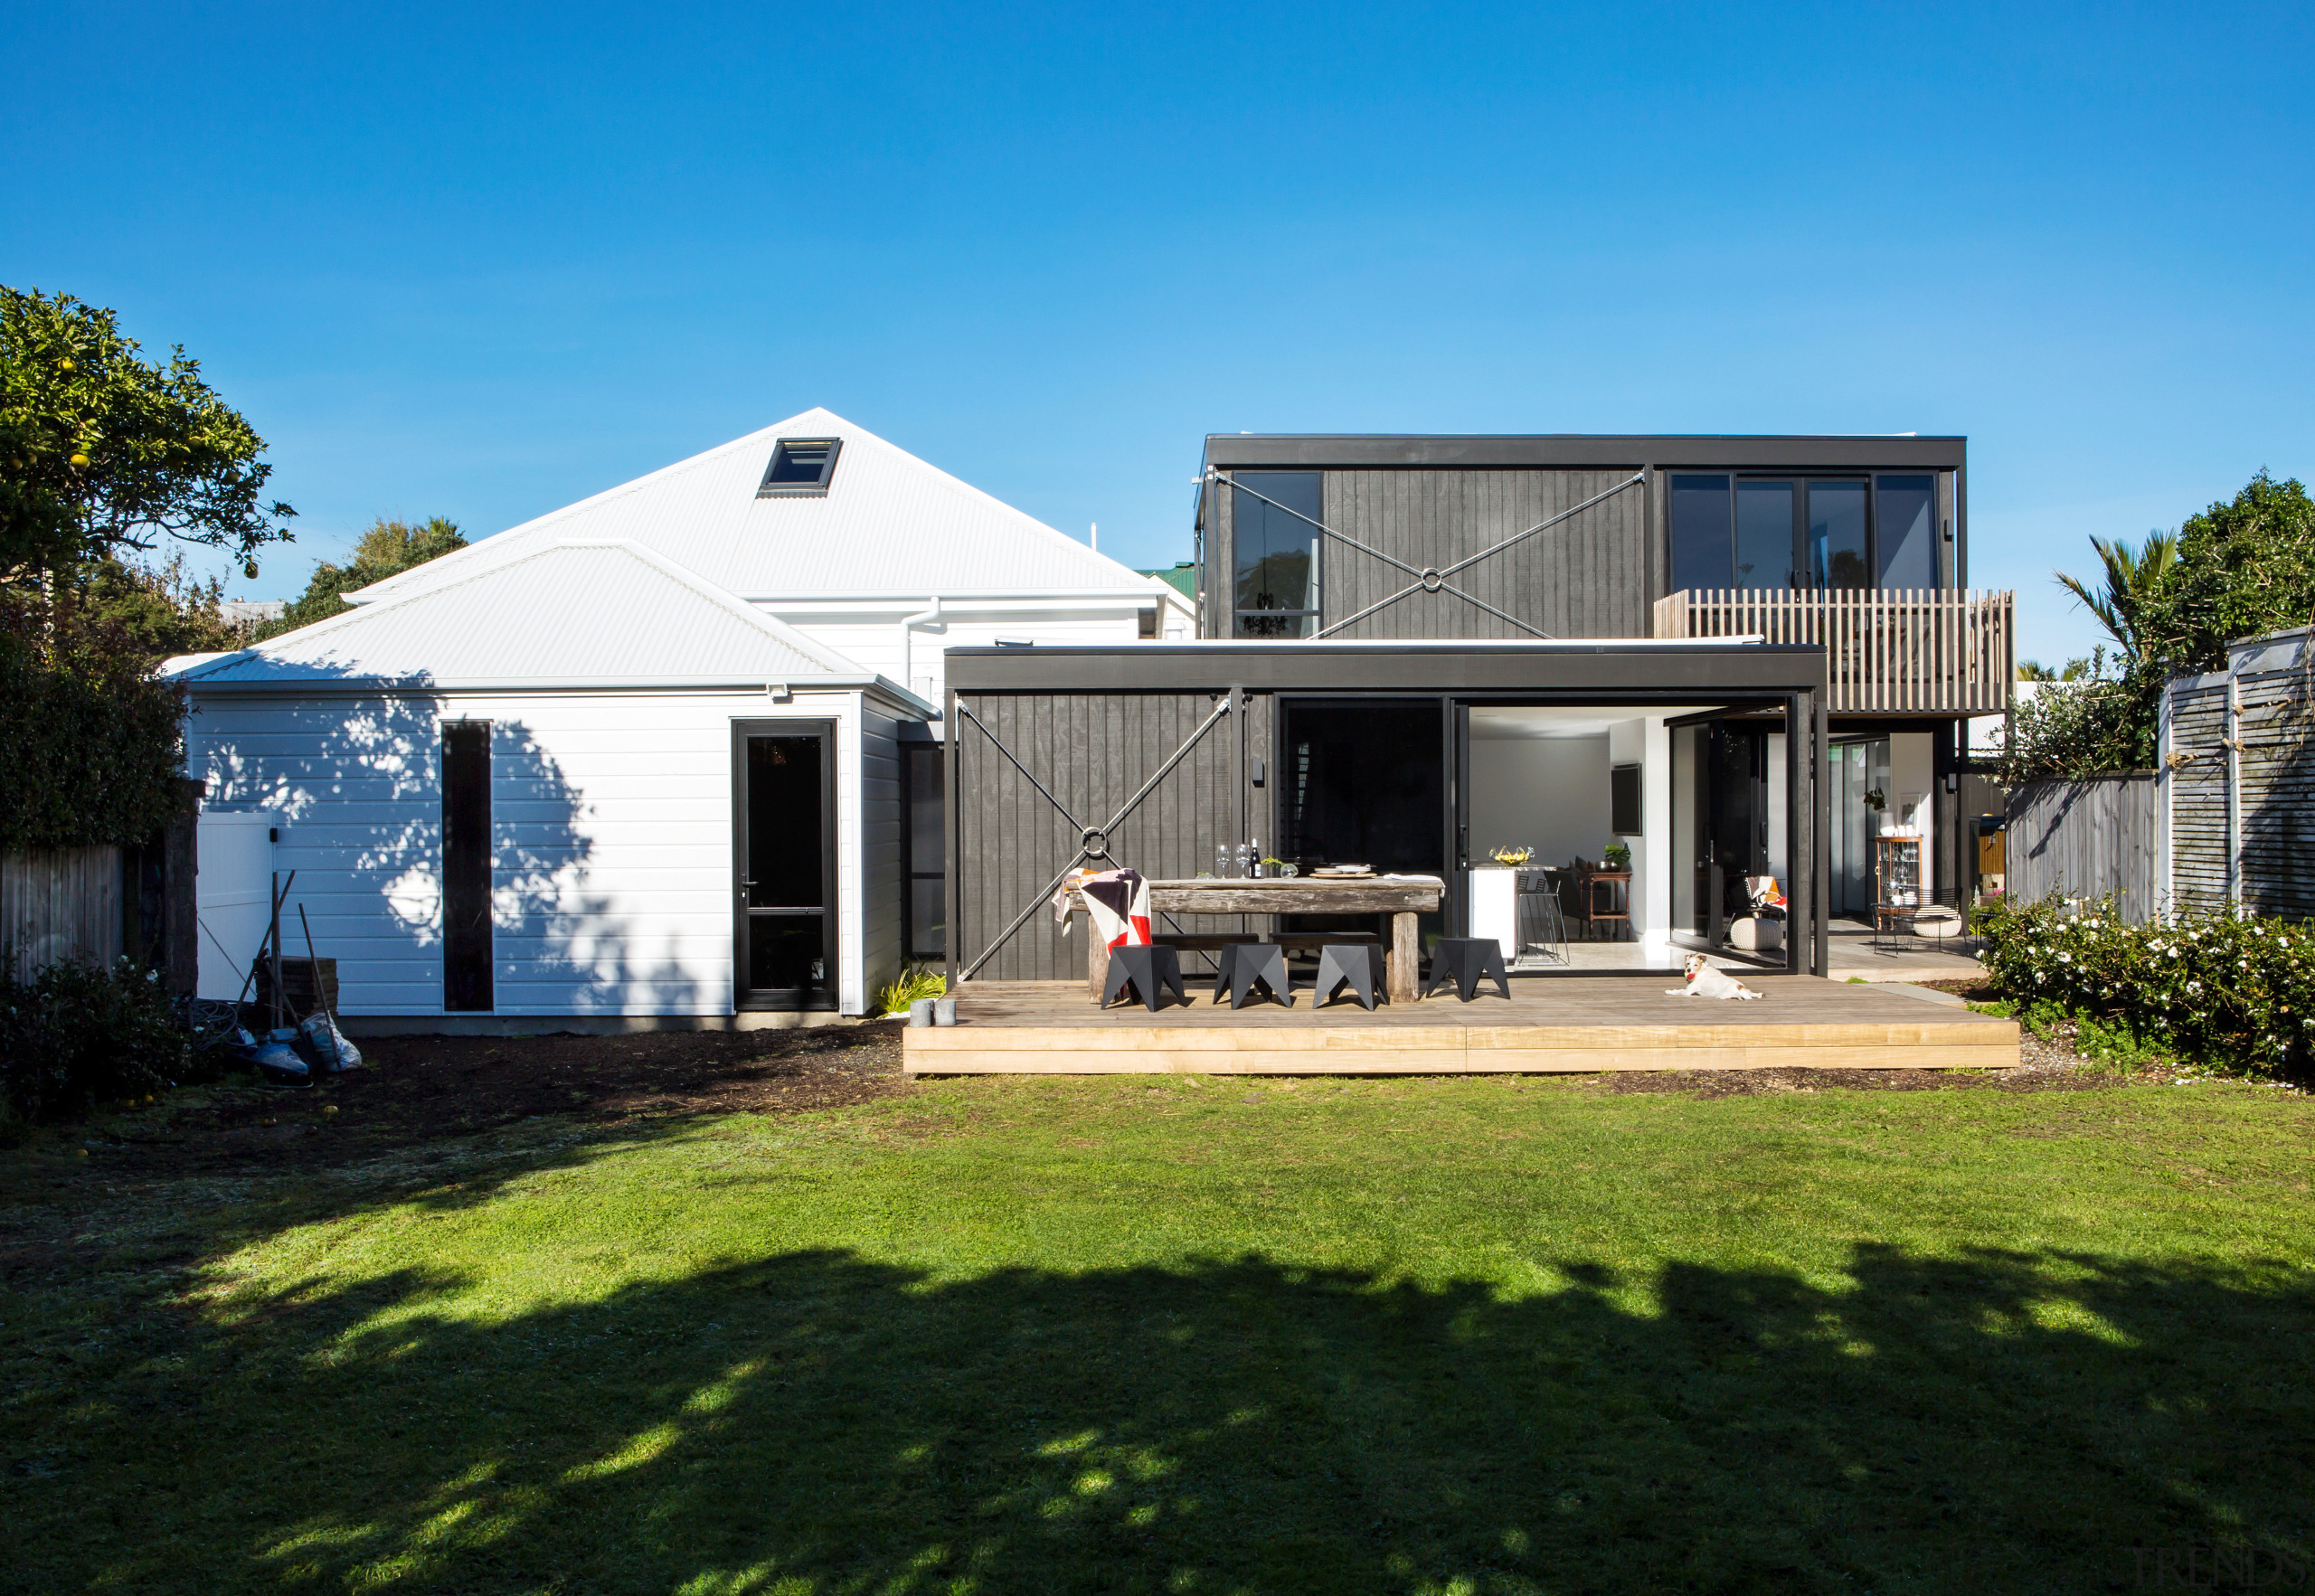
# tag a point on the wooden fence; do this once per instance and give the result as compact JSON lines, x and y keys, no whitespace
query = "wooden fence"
{"x":1889,"y":651}
{"x":2238,"y":748}
{"x":2088,"y":839}
{"x":61,"y":904}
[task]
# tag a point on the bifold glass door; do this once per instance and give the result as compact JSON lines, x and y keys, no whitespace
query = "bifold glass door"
{"x":784,"y":856}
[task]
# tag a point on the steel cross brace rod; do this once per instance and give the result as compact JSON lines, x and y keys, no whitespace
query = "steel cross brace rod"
{"x":1426,"y":581}
{"x":1235,"y":486}
{"x":1429,"y":581}
{"x":1435,"y":581}
{"x":1087,"y":835}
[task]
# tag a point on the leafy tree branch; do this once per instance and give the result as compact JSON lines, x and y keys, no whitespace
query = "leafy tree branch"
{"x":104,"y":452}
{"x":388,"y":549}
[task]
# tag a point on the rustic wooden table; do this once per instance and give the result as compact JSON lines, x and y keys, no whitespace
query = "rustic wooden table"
{"x":1402,"y":897}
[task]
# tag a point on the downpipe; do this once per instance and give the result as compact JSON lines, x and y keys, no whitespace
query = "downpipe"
{"x":909,"y":623}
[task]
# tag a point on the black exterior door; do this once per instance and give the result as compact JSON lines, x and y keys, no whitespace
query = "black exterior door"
{"x":783,"y":854}
{"x":467,"y":985}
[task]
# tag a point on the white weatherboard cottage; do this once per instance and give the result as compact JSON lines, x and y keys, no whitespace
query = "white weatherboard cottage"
{"x":667,"y":756}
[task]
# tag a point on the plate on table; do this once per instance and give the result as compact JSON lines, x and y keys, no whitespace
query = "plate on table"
{"x":1339,"y":871}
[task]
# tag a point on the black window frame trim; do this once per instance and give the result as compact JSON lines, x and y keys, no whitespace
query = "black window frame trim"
{"x":829,"y":997}
{"x":769,"y":489}
{"x":910,"y":952}
{"x":1944,"y":556}
{"x":1315,"y":615}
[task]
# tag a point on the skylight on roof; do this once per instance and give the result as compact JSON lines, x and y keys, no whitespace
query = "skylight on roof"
{"x":800,"y":467}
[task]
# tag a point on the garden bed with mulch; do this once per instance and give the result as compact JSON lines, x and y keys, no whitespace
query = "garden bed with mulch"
{"x":414,"y":1088}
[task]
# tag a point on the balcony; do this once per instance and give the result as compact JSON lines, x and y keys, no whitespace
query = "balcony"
{"x":1915,"y":651}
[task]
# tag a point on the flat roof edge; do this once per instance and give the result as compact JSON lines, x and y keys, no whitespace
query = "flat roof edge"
{"x":1605,"y":671}
{"x":1587,"y":436}
{"x":1257,"y":648}
{"x":1700,"y":450}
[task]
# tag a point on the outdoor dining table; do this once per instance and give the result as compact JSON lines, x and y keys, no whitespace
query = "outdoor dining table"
{"x":1402,"y":897}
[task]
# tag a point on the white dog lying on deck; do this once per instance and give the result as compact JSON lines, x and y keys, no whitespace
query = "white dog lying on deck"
{"x":1704,"y":981}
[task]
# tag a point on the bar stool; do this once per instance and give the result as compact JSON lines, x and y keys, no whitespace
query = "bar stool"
{"x":1467,"y":961}
{"x":1151,"y":972}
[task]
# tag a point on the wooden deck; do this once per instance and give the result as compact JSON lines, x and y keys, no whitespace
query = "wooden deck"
{"x":1573,"y":1024}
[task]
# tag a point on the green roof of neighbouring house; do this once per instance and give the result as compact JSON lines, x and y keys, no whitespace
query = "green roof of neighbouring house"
{"x":1182,"y":578}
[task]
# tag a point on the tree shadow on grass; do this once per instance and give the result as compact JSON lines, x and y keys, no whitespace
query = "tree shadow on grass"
{"x":820,"y":1423}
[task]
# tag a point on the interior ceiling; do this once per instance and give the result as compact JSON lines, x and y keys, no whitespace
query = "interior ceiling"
{"x":1496,"y":724}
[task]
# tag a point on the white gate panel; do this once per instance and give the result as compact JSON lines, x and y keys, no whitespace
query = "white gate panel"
{"x":234,"y":895}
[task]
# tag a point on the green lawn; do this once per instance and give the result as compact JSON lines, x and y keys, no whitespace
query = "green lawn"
{"x":1118,"y":1335}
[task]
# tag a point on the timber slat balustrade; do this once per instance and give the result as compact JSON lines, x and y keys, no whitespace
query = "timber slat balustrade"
{"x":1892,"y":650}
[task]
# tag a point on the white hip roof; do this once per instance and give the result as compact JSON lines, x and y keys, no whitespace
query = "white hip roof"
{"x":613,"y":614}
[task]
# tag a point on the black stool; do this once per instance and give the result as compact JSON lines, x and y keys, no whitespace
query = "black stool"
{"x":1355,"y":965}
{"x":1151,"y":972}
{"x":1245,"y":966}
{"x":1467,"y":961}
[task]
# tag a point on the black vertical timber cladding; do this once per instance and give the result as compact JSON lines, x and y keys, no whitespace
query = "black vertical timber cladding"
{"x":1092,"y":750}
{"x":466,"y":867}
{"x":1589,"y":576}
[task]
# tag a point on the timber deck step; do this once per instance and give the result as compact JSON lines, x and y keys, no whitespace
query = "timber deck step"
{"x":1563,"y":1024}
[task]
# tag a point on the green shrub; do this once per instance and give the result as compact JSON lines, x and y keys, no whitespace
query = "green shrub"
{"x":78,"y":1035}
{"x":89,"y":742}
{"x":2216,"y":987}
{"x":917,"y":980}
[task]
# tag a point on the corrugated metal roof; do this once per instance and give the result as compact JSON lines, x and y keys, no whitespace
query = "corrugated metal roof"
{"x":585,"y":611}
{"x":890,"y":523}
{"x":1181,"y":578}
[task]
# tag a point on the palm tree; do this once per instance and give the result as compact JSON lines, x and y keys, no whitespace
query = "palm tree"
{"x":2136,"y":580}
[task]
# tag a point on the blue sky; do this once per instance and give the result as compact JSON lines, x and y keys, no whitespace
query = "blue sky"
{"x":482,"y":261}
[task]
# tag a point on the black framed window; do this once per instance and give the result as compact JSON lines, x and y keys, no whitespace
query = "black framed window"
{"x":1906,"y":528}
{"x":800,"y":467}
{"x":924,"y":906}
{"x":1700,"y":522}
{"x":1839,"y":545}
{"x":1824,"y":532}
{"x":1274,"y":532}
{"x":1765,"y":533}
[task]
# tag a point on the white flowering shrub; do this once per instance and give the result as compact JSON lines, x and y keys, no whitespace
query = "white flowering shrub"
{"x":2216,"y":987}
